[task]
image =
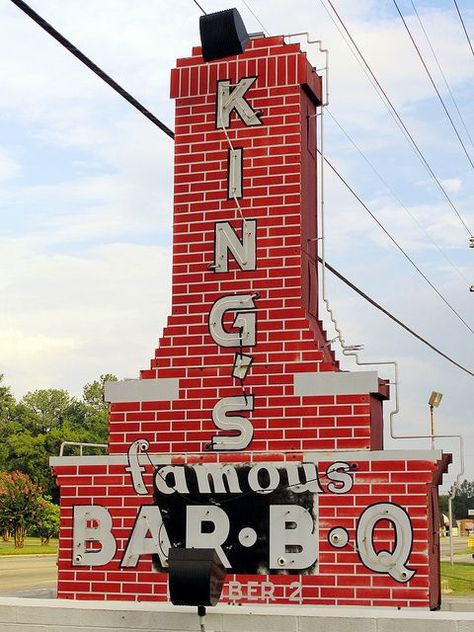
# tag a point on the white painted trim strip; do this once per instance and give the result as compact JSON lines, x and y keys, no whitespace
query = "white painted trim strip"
{"x":26,"y":614}
{"x":363,"y":455}
{"x":163,"y":389}
{"x":336,"y":383}
{"x":375,"y":455}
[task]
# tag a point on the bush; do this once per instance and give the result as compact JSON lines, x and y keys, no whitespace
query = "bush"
{"x":20,"y":505}
{"x":48,"y":525}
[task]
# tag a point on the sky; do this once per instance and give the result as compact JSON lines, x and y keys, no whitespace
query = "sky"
{"x":86,"y":192}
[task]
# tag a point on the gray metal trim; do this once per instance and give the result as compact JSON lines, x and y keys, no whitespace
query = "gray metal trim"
{"x":163,"y":389}
{"x":336,"y":383}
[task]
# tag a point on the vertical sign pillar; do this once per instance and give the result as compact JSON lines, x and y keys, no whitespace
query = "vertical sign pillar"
{"x":245,"y":245}
{"x":244,"y":435}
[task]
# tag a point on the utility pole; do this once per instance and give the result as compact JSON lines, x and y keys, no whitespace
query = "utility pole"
{"x":451,"y":495}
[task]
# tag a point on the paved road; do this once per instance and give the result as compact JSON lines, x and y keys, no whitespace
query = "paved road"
{"x":35,"y":576}
{"x":28,"y":576}
{"x":459,"y":544}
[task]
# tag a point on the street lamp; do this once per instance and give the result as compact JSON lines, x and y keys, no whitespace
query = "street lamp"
{"x":434,"y":401}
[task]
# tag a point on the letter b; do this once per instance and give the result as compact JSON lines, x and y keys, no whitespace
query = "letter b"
{"x":92,"y":523}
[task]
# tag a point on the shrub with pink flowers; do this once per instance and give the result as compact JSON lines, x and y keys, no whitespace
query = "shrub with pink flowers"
{"x":21,"y":505}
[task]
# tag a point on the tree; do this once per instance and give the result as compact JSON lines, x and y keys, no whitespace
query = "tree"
{"x":33,"y":429}
{"x":7,"y":401}
{"x":20,"y":505}
{"x":44,"y":409}
{"x":93,"y":393}
{"x":443,"y":504}
{"x":96,"y":410}
{"x":8,"y":425}
{"x":48,"y":525}
{"x":464,"y":500}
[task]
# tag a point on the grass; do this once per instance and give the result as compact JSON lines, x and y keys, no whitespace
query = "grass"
{"x":460,"y":577}
{"x":467,"y":551}
{"x":32,"y":546}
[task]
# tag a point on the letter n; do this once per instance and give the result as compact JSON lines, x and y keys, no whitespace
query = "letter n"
{"x":244,"y":251}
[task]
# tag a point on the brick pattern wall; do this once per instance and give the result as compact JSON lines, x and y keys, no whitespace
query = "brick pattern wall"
{"x":341,"y":578}
{"x":279,"y":192}
{"x":277,"y":169}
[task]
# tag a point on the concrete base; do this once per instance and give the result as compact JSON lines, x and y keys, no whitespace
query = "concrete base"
{"x":52,"y":615}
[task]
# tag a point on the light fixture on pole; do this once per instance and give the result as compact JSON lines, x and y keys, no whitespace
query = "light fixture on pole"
{"x":434,"y":401}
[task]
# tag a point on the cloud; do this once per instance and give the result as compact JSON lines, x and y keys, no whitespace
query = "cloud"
{"x":453,"y":185}
{"x":86,"y":190}
{"x":9,"y":169}
{"x":66,"y":314}
{"x":39,"y":355}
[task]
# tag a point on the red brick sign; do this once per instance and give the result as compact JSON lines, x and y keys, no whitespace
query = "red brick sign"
{"x":244,"y":435}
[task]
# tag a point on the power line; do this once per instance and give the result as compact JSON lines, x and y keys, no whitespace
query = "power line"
{"x":405,"y":254}
{"x":198,"y":5}
{"x":401,"y":128}
{"x":394,"y":318}
{"x":392,"y":108}
{"x":355,"y":288}
{"x":49,"y":29}
{"x":440,"y":68}
{"x":395,"y":242}
{"x":464,"y":27}
{"x":405,"y":208}
{"x":249,"y":8}
{"x":255,"y":16}
{"x":90,"y":64}
{"x":372,"y":166}
{"x":126,"y":95}
{"x":435,"y":87}
{"x":366,"y":73}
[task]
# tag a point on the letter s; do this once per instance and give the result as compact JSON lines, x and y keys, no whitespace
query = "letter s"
{"x":240,"y":424}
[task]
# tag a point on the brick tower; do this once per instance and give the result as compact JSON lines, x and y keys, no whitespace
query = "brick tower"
{"x":244,"y":435}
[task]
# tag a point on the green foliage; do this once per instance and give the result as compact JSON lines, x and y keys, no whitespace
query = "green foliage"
{"x":48,"y":522}
{"x":443,"y":505}
{"x":33,"y":429}
{"x":7,"y":401}
{"x":464,"y":500}
{"x":43,"y":410}
{"x":32,"y":546}
{"x":8,"y":426}
{"x":460,"y":578}
{"x":20,"y":504}
{"x":96,"y":410}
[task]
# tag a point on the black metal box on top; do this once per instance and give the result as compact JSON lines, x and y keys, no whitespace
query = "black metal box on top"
{"x":222,"y":34}
{"x":195,"y":577}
